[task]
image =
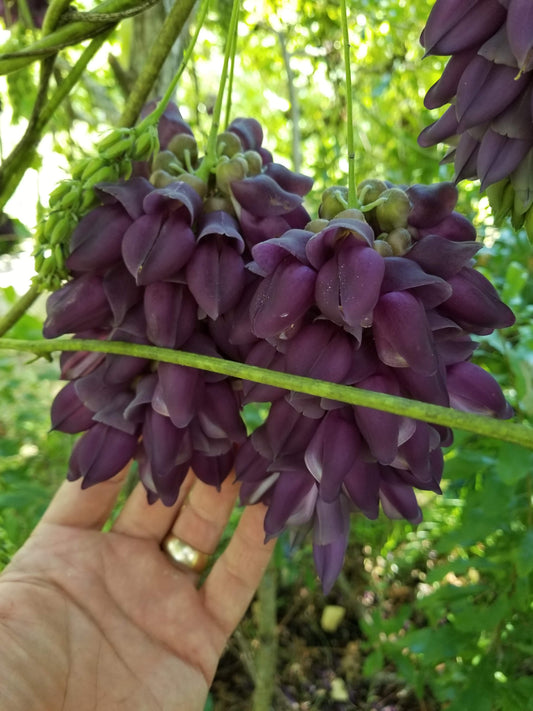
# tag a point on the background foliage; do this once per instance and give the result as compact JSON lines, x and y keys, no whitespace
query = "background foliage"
{"x":434,"y":617}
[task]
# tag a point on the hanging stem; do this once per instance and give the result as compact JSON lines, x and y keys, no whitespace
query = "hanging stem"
{"x":172,"y":26}
{"x":19,"y":308}
{"x":210,"y":157}
{"x":127,"y":118}
{"x":352,"y":188}
{"x":233,"y":52}
{"x":426,"y":412}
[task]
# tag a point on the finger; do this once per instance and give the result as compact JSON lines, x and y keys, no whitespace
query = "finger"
{"x":231,"y":584}
{"x":152,"y":521}
{"x":205,"y":514}
{"x":84,"y":508}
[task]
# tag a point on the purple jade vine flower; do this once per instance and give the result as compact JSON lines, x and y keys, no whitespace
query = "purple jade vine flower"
{"x":287,"y":292}
{"x":487,"y":83}
{"x":68,"y":413}
{"x":100,"y":453}
{"x":472,"y":389}
{"x":160,"y":242}
{"x":78,"y":306}
{"x":215,"y":272}
{"x":349,"y":273}
{"x":171,"y":314}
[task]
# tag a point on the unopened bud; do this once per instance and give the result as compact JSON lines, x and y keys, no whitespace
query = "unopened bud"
{"x":255,"y":162}
{"x":383,"y":248}
{"x":351,"y":213}
{"x":160,"y":178}
{"x":185,"y":148}
{"x":228,"y":171}
{"x":317,"y":226}
{"x":195,"y":182}
{"x":167,"y":161}
{"x":400,"y":241}
{"x":334,"y":200}
{"x":228,"y":144}
{"x":370,"y":189}
{"x":394,"y":209}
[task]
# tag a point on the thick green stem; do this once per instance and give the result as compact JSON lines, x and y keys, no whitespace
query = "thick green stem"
{"x":352,"y":188}
{"x":210,"y":157}
{"x":266,"y":657}
{"x":15,"y":165}
{"x":233,"y":51}
{"x":426,"y":412}
{"x":69,"y":34}
{"x":19,"y":308}
{"x":162,"y":45}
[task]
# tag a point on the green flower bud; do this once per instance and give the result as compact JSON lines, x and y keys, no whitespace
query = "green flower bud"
{"x":399,"y":240}
{"x":113,"y":137}
{"x":185,"y":148}
{"x":146,"y":144}
{"x":369,"y":190}
{"x":316,"y":225}
{"x":79,"y":167}
{"x":383,"y":248}
{"x":334,"y":200}
{"x":228,"y":171}
{"x":61,"y":191}
{"x":255,"y":162}
{"x":120,"y":148}
{"x":352,"y":213}
{"x":218,"y":202}
{"x":394,"y":209}
{"x":167,"y":161}
{"x":106,"y":174}
{"x":93,"y":166}
{"x":160,"y":178}
{"x":195,"y":182}
{"x":62,"y":229}
{"x":228,"y":144}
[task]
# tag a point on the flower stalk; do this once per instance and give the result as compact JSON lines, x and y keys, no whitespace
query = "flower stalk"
{"x":426,"y":412}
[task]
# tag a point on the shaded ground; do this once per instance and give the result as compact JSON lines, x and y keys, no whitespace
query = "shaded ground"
{"x":316,"y":668}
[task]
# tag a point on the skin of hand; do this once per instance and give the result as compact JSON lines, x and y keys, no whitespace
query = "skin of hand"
{"x":103,"y":621}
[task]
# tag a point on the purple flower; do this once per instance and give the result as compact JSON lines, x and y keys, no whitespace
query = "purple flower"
{"x":100,"y":453}
{"x":78,"y":306}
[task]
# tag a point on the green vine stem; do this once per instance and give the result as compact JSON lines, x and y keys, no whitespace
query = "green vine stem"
{"x":69,"y":34}
{"x":19,"y":308}
{"x":173,"y":25}
{"x":479,"y":424}
{"x":233,"y":50}
{"x":15,"y":165}
{"x":210,"y":157}
{"x":352,"y":187}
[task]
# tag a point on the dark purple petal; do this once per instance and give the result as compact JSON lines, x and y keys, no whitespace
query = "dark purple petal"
{"x":454,"y":227}
{"x":472,"y":389}
{"x":439,"y":130}
{"x":397,"y":498}
{"x":155,"y":248}
{"x":475,"y":304}
{"x":219,"y":222}
{"x":402,"y":335}
{"x":269,"y":253}
{"x":99,"y":454}
{"x":330,"y":455}
{"x":170,"y":312}
{"x":219,"y":414}
{"x":112,"y":413}
{"x":520,"y":32}
{"x":121,"y":292}
{"x":216,"y":276}
{"x":263,"y":355}
{"x":282,"y":298}
{"x":361,"y":485}
{"x":178,"y":393}
{"x":324,"y":244}
{"x":249,"y":131}
{"x":328,"y":561}
{"x":68,"y":413}
{"x":166,"y":446}
{"x":212,"y":470}
{"x":441,"y":256}
{"x":285,"y":496}
{"x":96,"y":242}
{"x":128,"y":193}
{"x":321,"y":351}
{"x":78,"y":306}
{"x":144,"y":392}
{"x":381,"y":430}
{"x":292,"y":182}
{"x":263,"y":197}
{"x":499,"y":155}
{"x":431,"y":203}
{"x":402,"y":274}
{"x":178,"y":198}
{"x":443,"y":91}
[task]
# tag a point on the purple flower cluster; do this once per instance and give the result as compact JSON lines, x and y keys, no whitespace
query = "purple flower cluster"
{"x":166,"y":266}
{"x":384,"y":298}
{"x":488,"y":83}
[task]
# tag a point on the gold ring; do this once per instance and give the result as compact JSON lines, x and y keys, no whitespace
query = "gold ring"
{"x":183,"y":555}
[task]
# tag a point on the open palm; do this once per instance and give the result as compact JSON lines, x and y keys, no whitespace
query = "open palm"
{"x":103,"y":621}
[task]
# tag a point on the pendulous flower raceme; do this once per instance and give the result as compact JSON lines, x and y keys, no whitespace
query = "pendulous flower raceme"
{"x":384,"y":298}
{"x":488,"y":83}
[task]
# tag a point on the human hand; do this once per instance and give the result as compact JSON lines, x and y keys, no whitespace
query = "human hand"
{"x":104,"y":621}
